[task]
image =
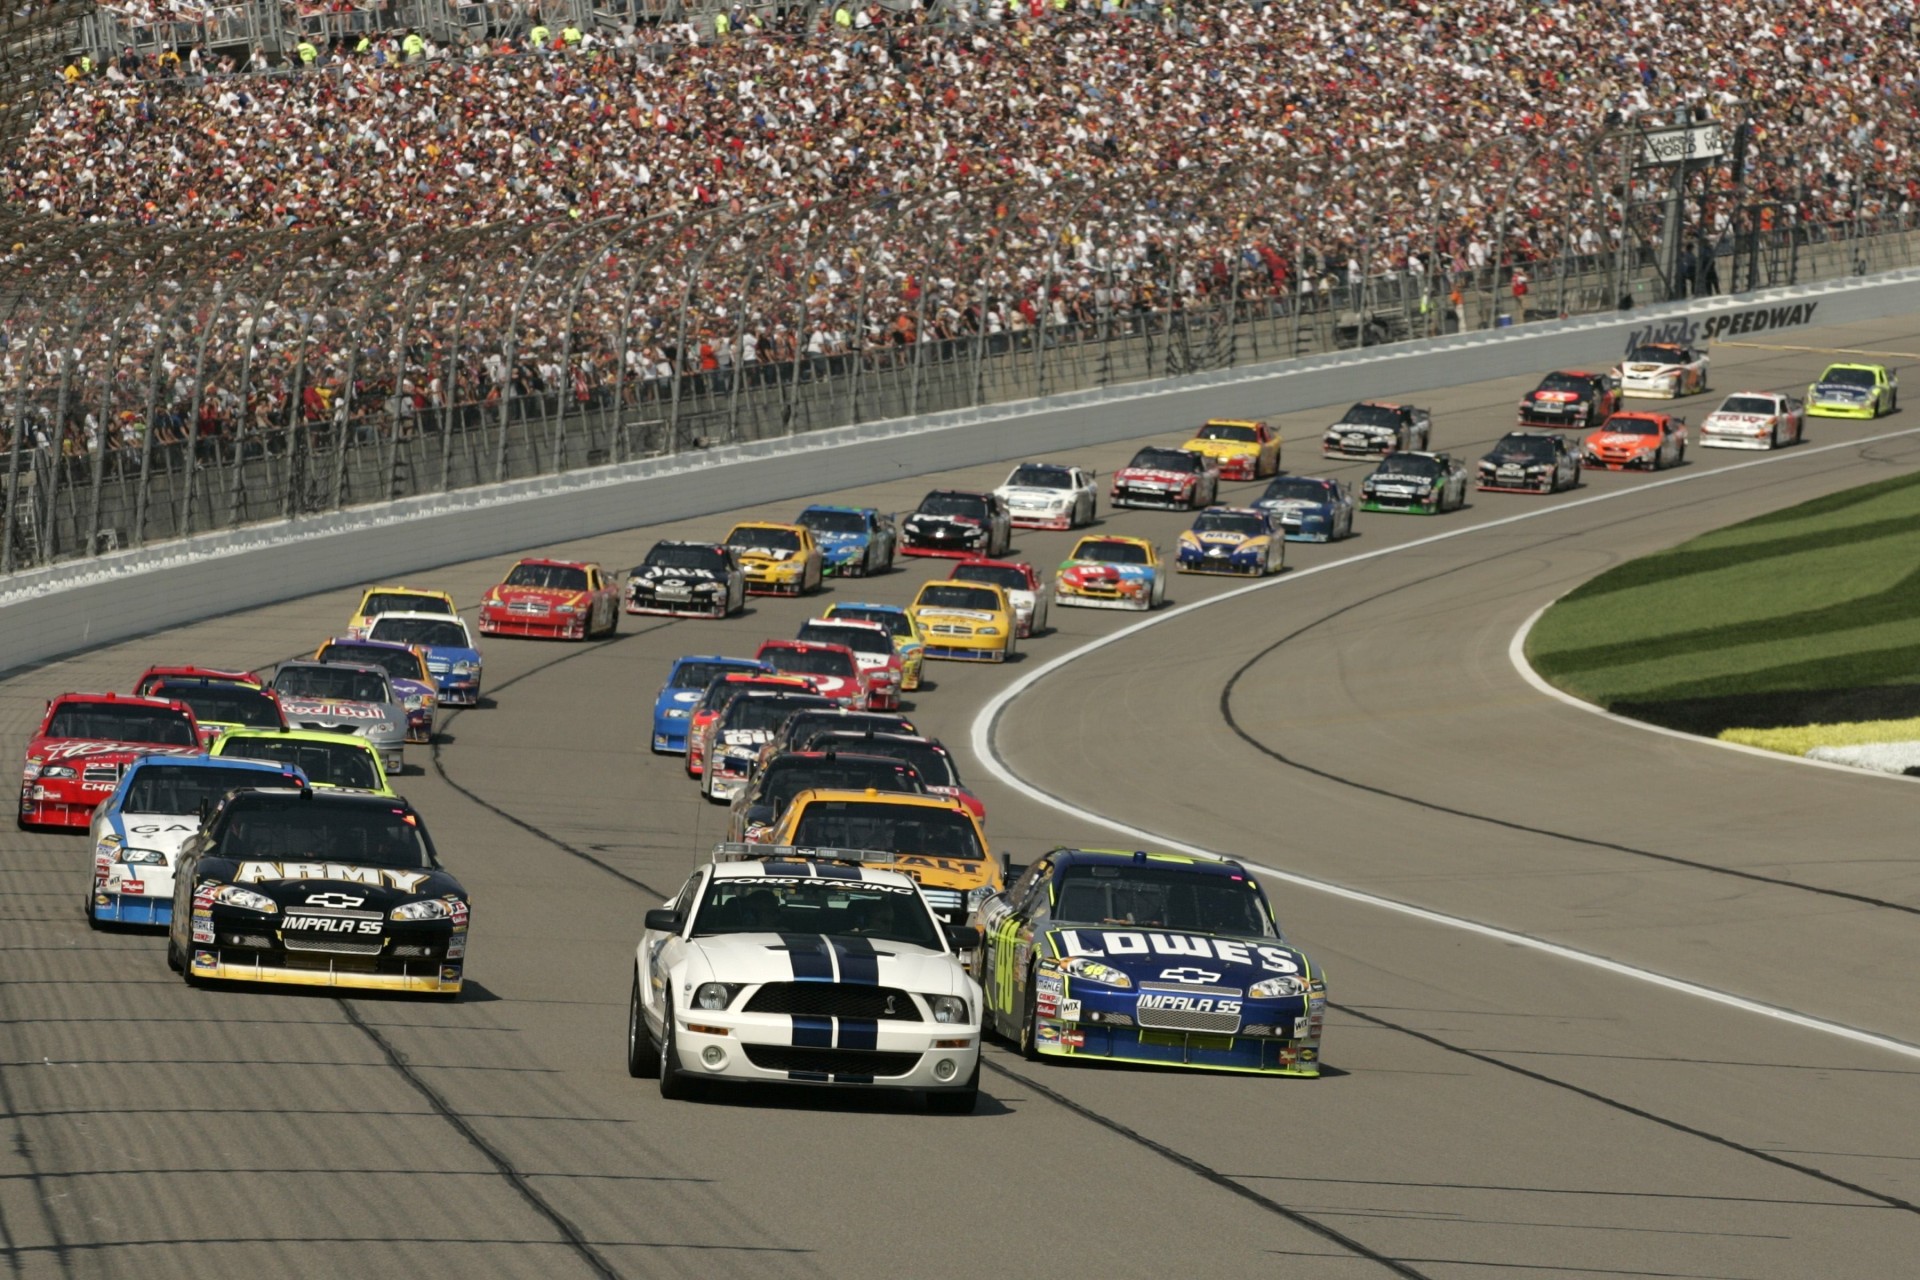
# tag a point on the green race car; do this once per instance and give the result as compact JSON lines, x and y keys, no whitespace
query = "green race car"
{"x":1853,"y":391}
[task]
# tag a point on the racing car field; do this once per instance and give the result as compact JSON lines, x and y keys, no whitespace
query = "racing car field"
{"x":1603,"y":1002}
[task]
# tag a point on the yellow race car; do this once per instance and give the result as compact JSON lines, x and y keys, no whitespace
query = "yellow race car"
{"x":1110,"y":572}
{"x":934,"y":839}
{"x":379,"y":600}
{"x":778,"y":559}
{"x":1853,"y":391}
{"x":966,"y":621}
{"x":1246,"y":449}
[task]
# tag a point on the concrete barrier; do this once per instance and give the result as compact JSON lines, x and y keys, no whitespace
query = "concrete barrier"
{"x":48,"y":612}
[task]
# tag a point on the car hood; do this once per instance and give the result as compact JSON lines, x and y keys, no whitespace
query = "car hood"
{"x":297,"y":884}
{"x":1156,"y":475}
{"x":165,"y":832}
{"x":334,"y":710}
{"x":1403,"y":477}
{"x":1293,"y":506}
{"x":925,"y":612}
{"x":775,"y":555}
{"x":791,"y":957}
{"x":1841,"y":391}
{"x":1738,"y":419}
{"x":1220,"y":538}
{"x":441,"y":656}
{"x":547,"y":595}
{"x":1220,"y":448}
{"x":73,"y":750}
{"x":1021,"y":493}
{"x":668,"y":573}
{"x":682,"y":698}
{"x":1178,"y":956}
{"x":1103,"y":571}
{"x":1621,"y":440}
{"x":1361,"y":429}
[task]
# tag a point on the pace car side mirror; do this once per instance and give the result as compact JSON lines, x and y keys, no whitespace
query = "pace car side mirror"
{"x":663,"y":920}
{"x":963,"y":937}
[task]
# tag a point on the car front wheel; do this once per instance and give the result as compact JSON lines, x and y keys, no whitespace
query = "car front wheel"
{"x":643,"y":1056}
{"x":675,"y":1085}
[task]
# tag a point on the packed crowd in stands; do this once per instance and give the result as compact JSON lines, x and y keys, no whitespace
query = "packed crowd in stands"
{"x":566,"y":213}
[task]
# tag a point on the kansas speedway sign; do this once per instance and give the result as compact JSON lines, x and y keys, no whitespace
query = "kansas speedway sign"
{"x":1724,"y":324}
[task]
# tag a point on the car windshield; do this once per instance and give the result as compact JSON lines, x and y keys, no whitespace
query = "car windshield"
{"x":331,"y":764}
{"x":363,"y":835}
{"x":1849,"y":377}
{"x":1110,"y":551}
{"x":827,"y":520}
{"x":1410,"y":464}
{"x":402,"y":602}
{"x":786,"y":778}
{"x":1519,"y":448}
{"x":401,"y":664}
{"x":1566,"y":382}
{"x":895,"y":621}
{"x":1623,"y":425}
{"x":941,"y":595}
{"x":809,"y":661}
{"x":551,"y":577}
{"x":763,"y":713}
{"x":1165,"y":460}
{"x":698,"y":675}
{"x":954,"y":504}
{"x":1757,"y":405}
{"x":1000,"y":575}
{"x":1657,"y":355}
{"x":898,"y":828}
{"x":1035,"y":476}
{"x":1229,"y":522}
{"x":182,"y":789}
{"x":858,"y":639}
{"x":106,"y":722}
{"x":668,"y":556}
{"x":224,"y":704}
{"x":1371,"y":415}
{"x":434,"y":633}
{"x":763,"y":539}
{"x":806,"y":905}
{"x":1161,"y":898}
{"x":344,"y":684}
{"x":1297,"y":489}
{"x":1229,"y":431}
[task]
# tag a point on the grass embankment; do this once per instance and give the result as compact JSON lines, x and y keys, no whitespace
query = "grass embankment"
{"x":1805,"y":617}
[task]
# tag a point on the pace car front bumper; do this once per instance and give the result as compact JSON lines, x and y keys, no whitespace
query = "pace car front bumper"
{"x":761,"y":1048}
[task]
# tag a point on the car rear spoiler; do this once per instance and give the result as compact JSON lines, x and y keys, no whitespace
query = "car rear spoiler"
{"x":741,"y":851}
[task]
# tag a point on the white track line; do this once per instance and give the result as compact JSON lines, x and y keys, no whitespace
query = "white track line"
{"x":1517,"y":655}
{"x":984,"y":724}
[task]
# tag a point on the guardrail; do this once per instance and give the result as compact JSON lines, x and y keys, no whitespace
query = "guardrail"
{"x":47,"y":612}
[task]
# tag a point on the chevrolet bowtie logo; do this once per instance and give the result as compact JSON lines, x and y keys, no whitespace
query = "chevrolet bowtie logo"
{"x":1189,"y":974}
{"x":337,"y":901}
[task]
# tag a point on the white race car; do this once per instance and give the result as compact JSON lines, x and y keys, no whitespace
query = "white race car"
{"x":781,"y":965}
{"x":1754,"y":420}
{"x":1662,"y":371}
{"x":1050,"y":495}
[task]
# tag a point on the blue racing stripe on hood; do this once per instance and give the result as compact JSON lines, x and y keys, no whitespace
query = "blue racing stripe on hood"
{"x":859,"y":1033}
{"x":807,"y":953}
{"x":859,"y":964}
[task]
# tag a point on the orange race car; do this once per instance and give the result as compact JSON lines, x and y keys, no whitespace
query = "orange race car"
{"x":1644,"y":441}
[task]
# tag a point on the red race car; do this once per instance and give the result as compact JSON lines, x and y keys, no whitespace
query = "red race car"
{"x":562,"y":599}
{"x":1025,"y":589}
{"x":86,"y":742}
{"x":834,"y":668}
{"x":1570,"y":398}
{"x":143,"y":687}
{"x":1645,"y":441}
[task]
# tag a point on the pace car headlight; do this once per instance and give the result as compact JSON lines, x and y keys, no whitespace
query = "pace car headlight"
{"x":713,"y":996}
{"x":947,"y":1008}
{"x":143,"y":857}
{"x":232,"y":895}
{"x":1277,"y":988}
{"x":425,"y":909}
{"x":1087,"y":969}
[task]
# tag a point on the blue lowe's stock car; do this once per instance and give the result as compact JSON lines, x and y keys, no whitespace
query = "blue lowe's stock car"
{"x":855,"y":542}
{"x":1148,"y":957}
{"x":687,"y":680}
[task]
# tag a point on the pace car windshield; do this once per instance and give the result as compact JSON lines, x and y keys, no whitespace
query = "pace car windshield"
{"x":1371,"y":415}
{"x":1229,"y":431}
{"x":1623,"y":425}
{"x":1849,"y":377}
{"x":826,"y":520}
{"x":403,"y":602}
{"x":880,"y":824}
{"x":1033,"y":476}
{"x":858,"y":639}
{"x":434,"y":633}
{"x":550,"y":577}
{"x":940,"y":595}
{"x":330,"y":764}
{"x":810,"y":662}
{"x":1296,"y":489}
{"x":1109,"y":551}
{"x":1519,"y":448}
{"x":1230,"y":522}
{"x":307,"y":831}
{"x":761,"y":539}
{"x":1000,"y":575}
{"x":837,"y":907}
{"x":663,"y":556}
{"x":182,"y":789}
{"x":224,"y":703}
{"x":787,"y":776}
{"x":954,"y":504}
{"x":1166,"y":460}
{"x":342,"y":683}
{"x":1161,"y":897}
{"x":1759,"y":406}
{"x":401,"y":663}
{"x":109,"y":723}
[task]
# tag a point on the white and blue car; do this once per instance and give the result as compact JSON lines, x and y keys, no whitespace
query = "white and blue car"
{"x":686,"y":682}
{"x":452,"y":659}
{"x":1310,"y":508}
{"x":157,"y":808}
{"x":855,"y":542}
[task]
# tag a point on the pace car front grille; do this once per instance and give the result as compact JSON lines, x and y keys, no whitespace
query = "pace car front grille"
{"x":1188,"y":1020}
{"x":838,"y":1062}
{"x":332,"y":946}
{"x":834,"y":1000}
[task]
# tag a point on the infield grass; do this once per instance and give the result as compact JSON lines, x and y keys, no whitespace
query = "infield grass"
{"x":1807,"y":615}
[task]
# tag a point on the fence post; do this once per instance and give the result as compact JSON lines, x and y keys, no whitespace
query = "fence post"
{"x":56,"y":453}
{"x":13,"y":468}
{"x":184,"y":524}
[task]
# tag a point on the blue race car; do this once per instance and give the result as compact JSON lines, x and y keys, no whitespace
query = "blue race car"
{"x":685,"y":683}
{"x":1310,"y":509}
{"x":1148,"y":957}
{"x":1243,"y":541}
{"x":154,"y":810}
{"x":855,"y":542}
{"x":452,"y":660}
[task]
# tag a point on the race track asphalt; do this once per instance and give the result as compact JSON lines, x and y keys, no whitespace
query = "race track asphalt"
{"x":1491,"y":1108}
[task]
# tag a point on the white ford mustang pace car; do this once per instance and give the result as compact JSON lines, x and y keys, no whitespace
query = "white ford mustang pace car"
{"x":776,"y":964}
{"x":1754,"y":420}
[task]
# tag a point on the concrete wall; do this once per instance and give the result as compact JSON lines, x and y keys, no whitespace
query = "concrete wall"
{"x":49,"y":612}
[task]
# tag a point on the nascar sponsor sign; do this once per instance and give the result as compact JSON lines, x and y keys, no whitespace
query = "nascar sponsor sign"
{"x":1703,"y":141}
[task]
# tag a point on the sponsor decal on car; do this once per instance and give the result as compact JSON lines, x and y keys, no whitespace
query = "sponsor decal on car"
{"x":255,"y":872}
{"x":1129,"y":943}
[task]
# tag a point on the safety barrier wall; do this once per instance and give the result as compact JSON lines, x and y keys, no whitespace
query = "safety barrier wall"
{"x":63,"y":609}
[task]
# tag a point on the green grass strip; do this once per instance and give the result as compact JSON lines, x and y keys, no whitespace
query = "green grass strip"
{"x":1800,"y":739}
